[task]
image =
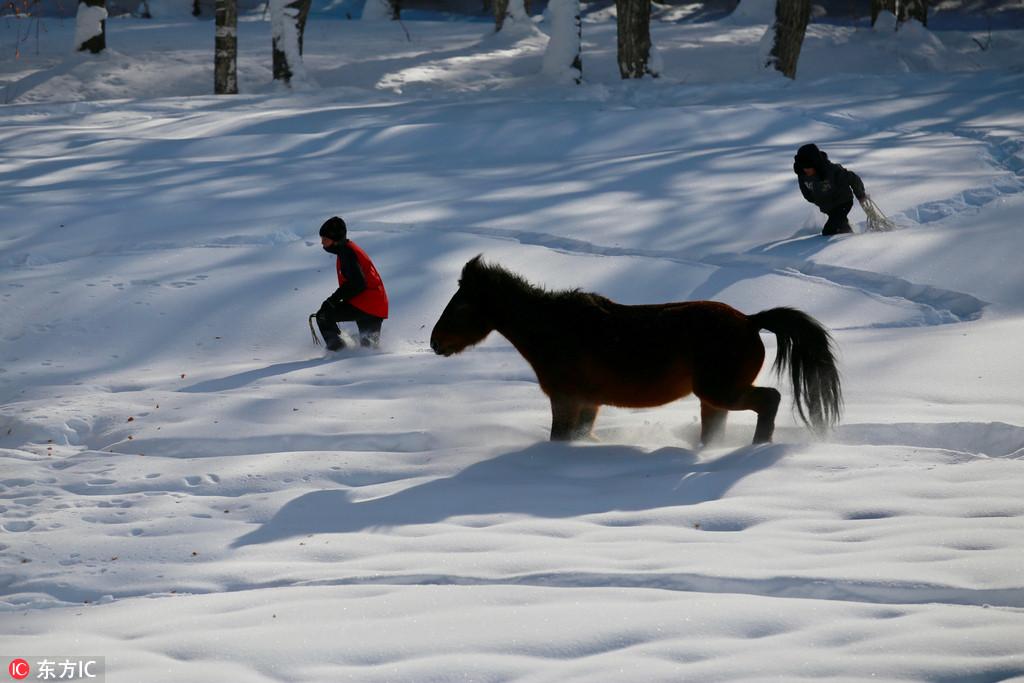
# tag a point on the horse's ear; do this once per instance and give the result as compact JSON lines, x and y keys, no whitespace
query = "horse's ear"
{"x":473,"y":265}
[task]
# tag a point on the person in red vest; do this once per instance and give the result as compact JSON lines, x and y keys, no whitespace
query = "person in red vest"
{"x":360,"y":295}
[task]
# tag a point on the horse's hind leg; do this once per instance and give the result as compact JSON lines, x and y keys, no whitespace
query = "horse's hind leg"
{"x":712,"y":422}
{"x":765,"y":402}
{"x":762,"y":400}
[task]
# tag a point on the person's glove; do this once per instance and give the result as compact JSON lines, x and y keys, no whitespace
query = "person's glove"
{"x":330,"y":304}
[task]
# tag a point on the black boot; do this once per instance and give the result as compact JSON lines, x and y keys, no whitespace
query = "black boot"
{"x":838,"y":223}
{"x":329,"y":331}
{"x":369,"y":332}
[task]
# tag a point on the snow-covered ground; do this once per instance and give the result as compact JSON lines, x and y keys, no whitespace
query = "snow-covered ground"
{"x":192,"y":490}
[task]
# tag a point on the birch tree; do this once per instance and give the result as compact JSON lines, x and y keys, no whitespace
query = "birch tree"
{"x":225,"y":61}
{"x":287,"y":26}
{"x":791,"y":17}
{"x":91,"y":26}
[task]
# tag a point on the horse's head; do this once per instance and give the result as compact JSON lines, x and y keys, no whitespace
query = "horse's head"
{"x":467,"y":319}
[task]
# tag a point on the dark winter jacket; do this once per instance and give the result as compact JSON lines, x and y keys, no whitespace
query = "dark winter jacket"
{"x":831,"y":186}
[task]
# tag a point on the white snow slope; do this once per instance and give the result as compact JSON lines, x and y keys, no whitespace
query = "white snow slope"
{"x":192,"y":490}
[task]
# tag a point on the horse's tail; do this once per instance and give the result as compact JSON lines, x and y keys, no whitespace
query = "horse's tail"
{"x":807,"y":348}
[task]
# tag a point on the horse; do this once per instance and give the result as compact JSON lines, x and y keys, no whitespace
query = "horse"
{"x":588,"y":351}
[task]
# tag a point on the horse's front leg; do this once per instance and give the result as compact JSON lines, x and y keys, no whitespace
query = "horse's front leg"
{"x":712,"y":423}
{"x":571,"y":418}
{"x":565,"y":418}
{"x":585,"y":424}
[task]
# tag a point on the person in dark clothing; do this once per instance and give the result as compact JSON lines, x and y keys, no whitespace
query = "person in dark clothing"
{"x":360,"y":295}
{"x":828,"y":186}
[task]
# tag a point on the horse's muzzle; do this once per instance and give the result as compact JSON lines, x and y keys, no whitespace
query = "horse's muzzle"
{"x":438,"y":349}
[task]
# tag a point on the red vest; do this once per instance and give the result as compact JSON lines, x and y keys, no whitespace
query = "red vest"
{"x":373,"y":299}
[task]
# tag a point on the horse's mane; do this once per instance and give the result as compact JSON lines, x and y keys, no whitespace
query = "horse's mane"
{"x":491,"y":279}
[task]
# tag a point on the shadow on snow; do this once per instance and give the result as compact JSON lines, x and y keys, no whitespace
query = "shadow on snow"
{"x":545,"y":480}
{"x":242,"y":379}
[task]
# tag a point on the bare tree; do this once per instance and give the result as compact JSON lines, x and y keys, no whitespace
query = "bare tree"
{"x":634,"y":44}
{"x":91,"y":26}
{"x":225,"y":61}
{"x":288,"y":24}
{"x":903,"y":9}
{"x":791,"y":17}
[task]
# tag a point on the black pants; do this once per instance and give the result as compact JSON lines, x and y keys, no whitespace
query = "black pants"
{"x":330,"y":314}
{"x":837,"y":221}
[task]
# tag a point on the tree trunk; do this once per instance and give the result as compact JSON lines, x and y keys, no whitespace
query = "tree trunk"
{"x":914,"y":9}
{"x":91,"y":26}
{"x":500,"y":12}
{"x":791,"y":18}
{"x":225,"y":61}
{"x":195,"y":8}
{"x":288,"y":24}
{"x":903,"y":9}
{"x":396,"y":9}
{"x":634,"y":28}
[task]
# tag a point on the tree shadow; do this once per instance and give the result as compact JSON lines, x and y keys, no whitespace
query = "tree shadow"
{"x":546,"y":480}
{"x":242,"y":379}
{"x":759,"y":261}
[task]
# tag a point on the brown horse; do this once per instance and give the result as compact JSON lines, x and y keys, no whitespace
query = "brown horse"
{"x":589,"y":351}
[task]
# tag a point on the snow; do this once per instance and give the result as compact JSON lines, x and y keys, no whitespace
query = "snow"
{"x":517,"y":14}
{"x":170,"y":9}
{"x":193,"y":491}
{"x":563,"y":49}
{"x":376,"y":10}
{"x":88,"y":22}
{"x":754,"y":13}
{"x":655,"y":64}
{"x":284,"y":17}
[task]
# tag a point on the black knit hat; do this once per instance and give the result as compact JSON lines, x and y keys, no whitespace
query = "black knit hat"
{"x":335,"y":229}
{"x":808,"y":156}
